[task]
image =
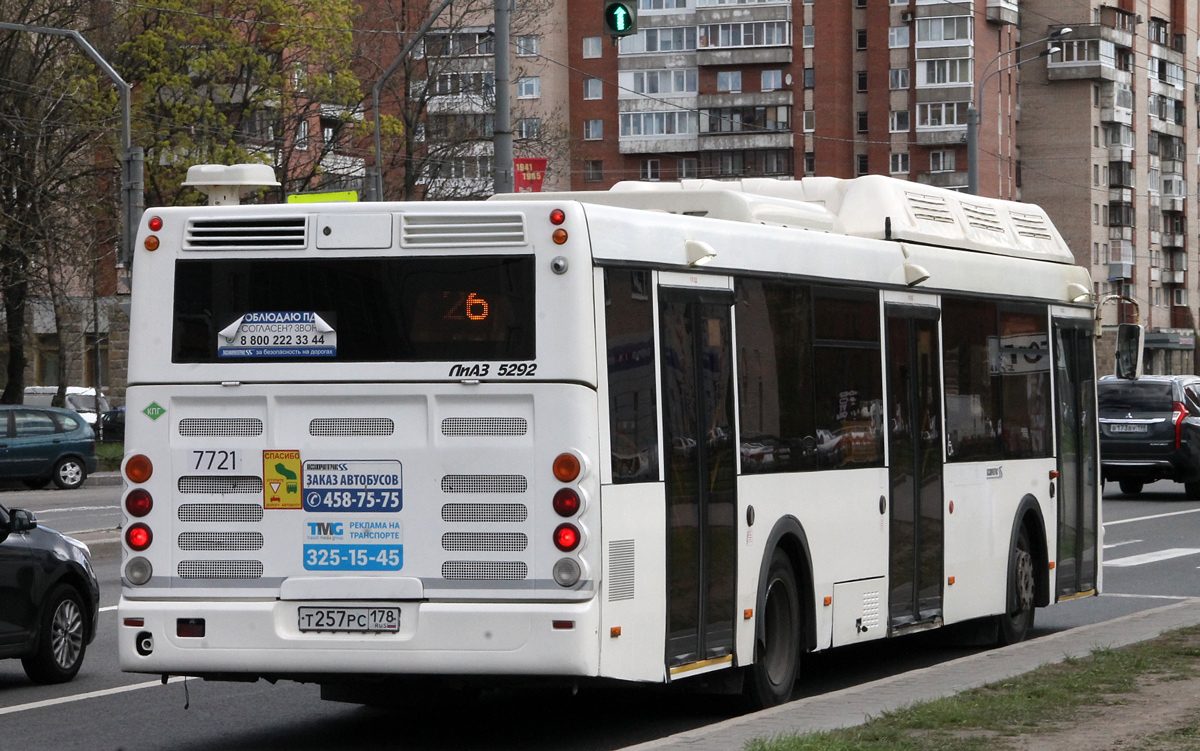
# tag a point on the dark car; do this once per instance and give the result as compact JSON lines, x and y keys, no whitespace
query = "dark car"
{"x":41,"y":444}
{"x":1150,"y":430}
{"x":49,"y":598}
{"x":112,"y":426}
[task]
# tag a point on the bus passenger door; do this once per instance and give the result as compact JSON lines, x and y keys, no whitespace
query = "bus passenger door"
{"x":1078,"y":496}
{"x":699,"y":451}
{"x":916,"y":548}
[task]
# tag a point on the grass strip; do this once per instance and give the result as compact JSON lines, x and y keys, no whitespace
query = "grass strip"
{"x":1039,"y":701}
{"x":110,"y":456}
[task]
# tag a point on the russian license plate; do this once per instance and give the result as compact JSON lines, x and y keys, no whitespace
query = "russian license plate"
{"x":1127,"y":428}
{"x":350,"y":619}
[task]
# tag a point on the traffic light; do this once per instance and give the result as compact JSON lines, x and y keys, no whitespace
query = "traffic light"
{"x":620,"y":17}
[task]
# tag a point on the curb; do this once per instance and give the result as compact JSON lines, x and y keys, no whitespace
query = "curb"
{"x":103,"y":479}
{"x":856,"y":705}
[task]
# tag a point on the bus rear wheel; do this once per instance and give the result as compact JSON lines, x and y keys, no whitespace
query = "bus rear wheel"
{"x":1018,"y":618}
{"x":777,"y":639}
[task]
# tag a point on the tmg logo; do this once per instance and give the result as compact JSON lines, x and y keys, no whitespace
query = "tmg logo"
{"x":325,"y":529}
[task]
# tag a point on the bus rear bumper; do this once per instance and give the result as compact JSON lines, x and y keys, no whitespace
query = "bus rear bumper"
{"x":262,"y":638}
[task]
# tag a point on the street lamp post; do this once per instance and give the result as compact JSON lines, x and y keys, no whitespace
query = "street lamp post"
{"x":975,"y":107}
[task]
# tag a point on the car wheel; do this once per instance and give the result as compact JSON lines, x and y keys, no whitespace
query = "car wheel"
{"x":37,"y":484}
{"x":1131,"y":487}
{"x":777,"y":652}
{"x":69,"y":473}
{"x":61,"y":638}
{"x":1015,"y":624}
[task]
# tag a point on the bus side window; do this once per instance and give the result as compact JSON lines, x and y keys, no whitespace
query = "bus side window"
{"x":632,"y":402}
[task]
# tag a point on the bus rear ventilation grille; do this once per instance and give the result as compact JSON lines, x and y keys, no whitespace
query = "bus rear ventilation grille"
{"x":208,"y":513}
{"x":485,"y":513}
{"x":351,"y":426}
{"x":485,"y":570}
{"x":220,"y":484}
{"x":220,"y":541}
{"x":220,"y":569}
{"x":480,"y":426}
{"x":221,"y":427}
{"x":484,"y":484}
{"x":277,"y":233}
{"x":459,"y":231}
{"x":491,"y":542}
{"x":621,"y":571}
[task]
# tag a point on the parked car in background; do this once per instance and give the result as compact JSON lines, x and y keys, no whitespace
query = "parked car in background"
{"x":44,"y":444}
{"x":111,"y":428}
{"x":79,"y":399}
{"x":50,"y":598}
{"x":1150,"y":431}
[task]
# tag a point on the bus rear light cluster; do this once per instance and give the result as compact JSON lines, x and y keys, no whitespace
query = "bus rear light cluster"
{"x":151,"y":242}
{"x":139,"y":502}
{"x":567,"y":503}
{"x":138,"y":536}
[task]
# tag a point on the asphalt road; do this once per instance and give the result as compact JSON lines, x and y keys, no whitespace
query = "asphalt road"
{"x":1152,"y":551}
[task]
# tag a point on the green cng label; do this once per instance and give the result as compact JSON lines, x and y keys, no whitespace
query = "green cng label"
{"x":154,"y":411}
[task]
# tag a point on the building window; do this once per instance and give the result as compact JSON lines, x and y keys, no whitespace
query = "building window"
{"x":529,"y":45}
{"x":941,"y":160}
{"x":730,"y":81}
{"x":688,"y":166}
{"x":810,"y":121}
{"x":529,"y":128}
{"x":941,"y":114}
{"x":898,"y":79}
{"x":745,"y":162}
{"x":861,"y":81}
{"x":668,"y":39}
{"x":864,"y":165}
{"x":897,"y":37}
{"x":593,"y":88}
{"x":810,"y":162}
{"x":860,"y":39}
{"x":661,"y":81}
{"x":741,"y":119}
{"x":529,"y":88}
{"x":302,"y":135}
{"x":951,"y":71}
{"x":748,"y":34}
{"x":862,"y":122}
{"x":593,"y":130}
{"x":772,"y":80}
{"x":899,"y":165}
{"x":810,"y":36}
{"x":674,"y":122}
{"x":593,"y":170}
{"x":809,"y":77}
{"x":944,"y":29}
{"x":650,"y":170}
{"x":898,"y":122}
{"x":593,"y":47}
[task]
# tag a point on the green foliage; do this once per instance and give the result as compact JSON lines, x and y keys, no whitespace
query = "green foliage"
{"x":110,"y":456}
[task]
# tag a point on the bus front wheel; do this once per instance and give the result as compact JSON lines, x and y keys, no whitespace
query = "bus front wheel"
{"x":777,"y":639}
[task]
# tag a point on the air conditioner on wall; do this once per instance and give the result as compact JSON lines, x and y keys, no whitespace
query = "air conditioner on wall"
{"x":906,"y":16}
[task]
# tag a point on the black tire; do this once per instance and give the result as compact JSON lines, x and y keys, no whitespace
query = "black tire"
{"x":777,"y":638}
{"x":1022,"y":589}
{"x":37,"y":484}
{"x":1131,"y":487}
{"x":69,"y":473}
{"x":62,"y":638}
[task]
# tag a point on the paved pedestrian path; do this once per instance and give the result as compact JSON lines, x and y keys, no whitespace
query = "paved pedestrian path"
{"x":855,"y":705}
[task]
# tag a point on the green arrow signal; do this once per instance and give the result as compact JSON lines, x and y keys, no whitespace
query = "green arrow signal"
{"x":620,"y":18}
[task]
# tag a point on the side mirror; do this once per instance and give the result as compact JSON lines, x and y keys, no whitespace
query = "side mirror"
{"x":20,"y":520}
{"x":1130,"y":343}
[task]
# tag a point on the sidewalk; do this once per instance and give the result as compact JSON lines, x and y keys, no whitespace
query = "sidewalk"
{"x":853,"y":706}
{"x":103,"y":479}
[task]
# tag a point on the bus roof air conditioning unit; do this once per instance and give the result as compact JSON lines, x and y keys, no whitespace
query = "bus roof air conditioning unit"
{"x":224,"y":184}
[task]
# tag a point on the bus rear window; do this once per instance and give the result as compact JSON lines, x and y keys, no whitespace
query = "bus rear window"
{"x":365,"y":309}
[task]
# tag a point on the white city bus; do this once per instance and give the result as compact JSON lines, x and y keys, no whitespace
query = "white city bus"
{"x":649,"y":434}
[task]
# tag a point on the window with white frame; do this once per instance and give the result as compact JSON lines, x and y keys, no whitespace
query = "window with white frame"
{"x":670,"y":39}
{"x":593,"y":88}
{"x":950,"y":71}
{"x":529,"y":45}
{"x":660,"y":82}
{"x":748,"y":34}
{"x":688,"y":166}
{"x":809,"y":39}
{"x":941,"y":160}
{"x":772,"y":80}
{"x":593,"y":170}
{"x":944,"y":29}
{"x":529,"y":87}
{"x":899,"y":163}
{"x":897,"y":37}
{"x":898,"y":122}
{"x":810,"y":121}
{"x":898,"y":79}
{"x":593,"y":47}
{"x":650,"y":170}
{"x":528,"y":128}
{"x":593,"y":130}
{"x":941,"y":114}
{"x":730,"y":81}
{"x":675,"y":122}
{"x":302,"y":135}
{"x":661,"y":4}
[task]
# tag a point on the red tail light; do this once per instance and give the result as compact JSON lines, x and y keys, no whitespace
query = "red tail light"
{"x":566,"y":537}
{"x":1177,"y":418}
{"x":138,"y":536}
{"x":138,"y":502}
{"x":566,"y":502}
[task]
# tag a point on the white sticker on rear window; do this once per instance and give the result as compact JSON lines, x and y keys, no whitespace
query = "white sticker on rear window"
{"x":277,"y":334}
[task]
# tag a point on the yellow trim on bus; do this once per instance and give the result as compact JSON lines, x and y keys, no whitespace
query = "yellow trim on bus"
{"x":1077,"y":595}
{"x":702,"y":664}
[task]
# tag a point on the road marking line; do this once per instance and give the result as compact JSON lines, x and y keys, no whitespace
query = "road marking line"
{"x":1149,"y":597}
{"x":75,"y":508}
{"x":1147,"y":518}
{"x":1119,"y":544}
{"x":1158,"y":555}
{"x":88,"y":695}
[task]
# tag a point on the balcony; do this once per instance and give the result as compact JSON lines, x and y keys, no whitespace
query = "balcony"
{"x":1003,"y":12}
{"x":1119,"y":153}
{"x":1120,"y":194}
{"x":1173,"y":203}
{"x":742,"y":141}
{"x":1170,"y":276}
{"x":1172,"y":240}
{"x":1120,"y":270}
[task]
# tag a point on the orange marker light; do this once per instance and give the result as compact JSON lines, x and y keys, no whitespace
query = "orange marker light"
{"x":828,"y":601}
{"x":139,"y":468}
{"x":614,"y":632}
{"x":559,"y":236}
{"x":950,"y":580}
{"x":566,"y":467}
{"x":151,"y":242}
{"x":748,"y":613}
